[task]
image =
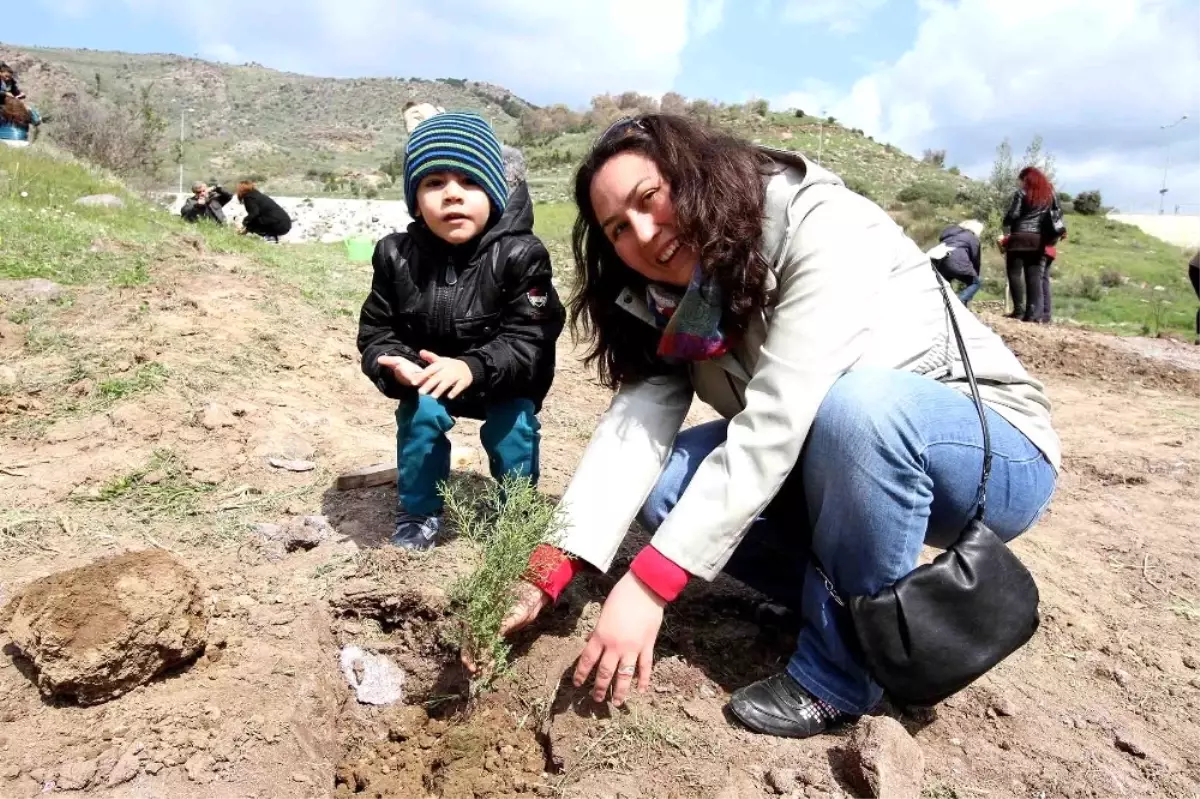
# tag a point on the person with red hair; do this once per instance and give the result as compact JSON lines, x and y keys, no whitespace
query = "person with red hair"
{"x":1029,"y":233}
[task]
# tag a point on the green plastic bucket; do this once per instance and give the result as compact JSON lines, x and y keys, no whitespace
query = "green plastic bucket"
{"x":360,"y":248}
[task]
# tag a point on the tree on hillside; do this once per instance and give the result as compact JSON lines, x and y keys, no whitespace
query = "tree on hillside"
{"x":673,"y":103}
{"x":605,"y":111}
{"x":126,"y":137}
{"x":1003,"y":180}
{"x":1036,"y":156}
{"x":935,"y":157}
{"x":1089,"y":203}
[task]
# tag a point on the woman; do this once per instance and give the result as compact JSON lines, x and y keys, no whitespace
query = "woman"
{"x":957,"y":256}
{"x":1025,"y":244}
{"x":1194,"y":277}
{"x":264,"y":217}
{"x":18,"y":122}
{"x":796,"y":308}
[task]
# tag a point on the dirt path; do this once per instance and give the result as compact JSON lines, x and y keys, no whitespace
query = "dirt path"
{"x":122,"y":382}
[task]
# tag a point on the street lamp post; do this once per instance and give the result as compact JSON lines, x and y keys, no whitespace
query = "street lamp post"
{"x":1162,"y":193}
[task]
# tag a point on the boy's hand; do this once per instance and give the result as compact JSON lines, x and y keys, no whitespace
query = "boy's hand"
{"x":443,"y":375}
{"x":406,"y":371}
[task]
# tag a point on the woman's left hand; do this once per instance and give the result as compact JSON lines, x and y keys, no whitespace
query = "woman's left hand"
{"x":622,"y":641}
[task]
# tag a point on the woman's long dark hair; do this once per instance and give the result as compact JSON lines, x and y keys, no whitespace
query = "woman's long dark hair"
{"x":16,"y":112}
{"x":717,"y":189}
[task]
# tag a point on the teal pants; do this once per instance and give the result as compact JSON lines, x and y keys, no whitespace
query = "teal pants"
{"x":510,"y":437}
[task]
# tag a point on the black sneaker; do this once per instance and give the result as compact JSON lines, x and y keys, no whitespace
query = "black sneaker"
{"x":414,"y":531}
{"x":779,"y":706}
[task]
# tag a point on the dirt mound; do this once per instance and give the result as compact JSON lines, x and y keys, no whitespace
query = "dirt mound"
{"x":98,"y":631}
{"x":1115,"y":362}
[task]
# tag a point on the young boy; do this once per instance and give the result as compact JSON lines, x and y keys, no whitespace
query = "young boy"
{"x":462,"y":318}
{"x":8,"y":83}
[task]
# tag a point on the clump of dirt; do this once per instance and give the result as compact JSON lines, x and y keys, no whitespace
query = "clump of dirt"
{"x":98,"y":631}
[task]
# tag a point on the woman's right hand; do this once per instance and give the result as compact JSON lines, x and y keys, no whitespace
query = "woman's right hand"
{"x":528,"y":602}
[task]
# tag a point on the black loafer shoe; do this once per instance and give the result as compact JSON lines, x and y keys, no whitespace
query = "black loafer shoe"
{"x":779,"y":706}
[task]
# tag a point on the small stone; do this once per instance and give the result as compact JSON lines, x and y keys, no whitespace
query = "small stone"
{"x":1128,"y":744}
{"x":38,"y":775}
{"x":694,"y":711}
{"x":882,"y":759}
{"x":1003,"y":707}
{"x":10,"y":772}
{"x":303,"y":779}
{"x":127,"y":767}
{"x":1191,"y":662}
{"x":376,"y":680}
{"x":241,"y":408}
{"x":216,"y":416}
{"x":153,"y":767}
{"x":199,"y":767}
{"x":781,"y":780}
{"x":76,"y":776}
{"x":706,"y":691}
{"x":1004,"y":744}
{"x":956,"y":742}
{"x":1194,"y":682}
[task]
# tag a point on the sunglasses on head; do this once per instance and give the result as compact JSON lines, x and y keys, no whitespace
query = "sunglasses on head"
{"x":619,"y":128}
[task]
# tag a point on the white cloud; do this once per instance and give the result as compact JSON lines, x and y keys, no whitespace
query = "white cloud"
{"x":707,"y":17}
{"x":841,"y":16}
{"x":1096,"y":77}
{"x":546,"y":50}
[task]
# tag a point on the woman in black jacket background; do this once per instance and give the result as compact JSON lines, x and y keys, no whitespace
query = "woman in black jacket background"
{"x":264,"y":217}
{"x":1025,"y":247}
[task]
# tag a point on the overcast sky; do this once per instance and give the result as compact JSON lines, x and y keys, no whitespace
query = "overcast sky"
{"x":1097,"y":78}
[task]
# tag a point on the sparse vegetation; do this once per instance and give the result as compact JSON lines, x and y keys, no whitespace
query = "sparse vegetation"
{"x":124,"y":136}
{"x":161,"y":488}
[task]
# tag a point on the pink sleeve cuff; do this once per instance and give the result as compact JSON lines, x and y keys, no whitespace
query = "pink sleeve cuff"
{"x":551,"y":569}
{"x":660,"y":574}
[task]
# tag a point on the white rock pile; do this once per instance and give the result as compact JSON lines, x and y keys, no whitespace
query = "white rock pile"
{"x":325,"y":219}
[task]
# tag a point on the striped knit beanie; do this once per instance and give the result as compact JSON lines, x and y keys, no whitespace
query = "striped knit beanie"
{"x":457,"y":142}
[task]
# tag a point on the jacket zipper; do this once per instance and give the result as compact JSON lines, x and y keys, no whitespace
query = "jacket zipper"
{"x":444,"y":302}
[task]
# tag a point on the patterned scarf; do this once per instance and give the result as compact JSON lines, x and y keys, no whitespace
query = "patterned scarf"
{"x":690,"y":320}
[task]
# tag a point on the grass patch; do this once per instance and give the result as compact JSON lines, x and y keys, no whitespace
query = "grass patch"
{"x":147,"y":378}
{"x":503,"y":542}
{"x":160,"y":489}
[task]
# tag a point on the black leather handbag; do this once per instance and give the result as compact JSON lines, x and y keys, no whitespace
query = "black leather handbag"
{"x":1054,"y":226}
{"x":947,"y":623}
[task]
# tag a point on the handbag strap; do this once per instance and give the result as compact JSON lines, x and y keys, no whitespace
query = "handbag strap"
{"x":981,"y":496}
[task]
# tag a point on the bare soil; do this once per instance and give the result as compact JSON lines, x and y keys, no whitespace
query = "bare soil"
{"x":98,"y":459}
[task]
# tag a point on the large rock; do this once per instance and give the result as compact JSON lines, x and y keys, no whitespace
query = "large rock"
{"x":101,"y":201}
{"x":514,"y":166}
{"x":883,"y":760}
{"x":98,"y":631}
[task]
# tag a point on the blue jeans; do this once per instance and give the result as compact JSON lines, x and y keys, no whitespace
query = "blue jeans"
{"x":968,"y":292}
{"x":509,"y":436}
{"x":891,"y":463}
